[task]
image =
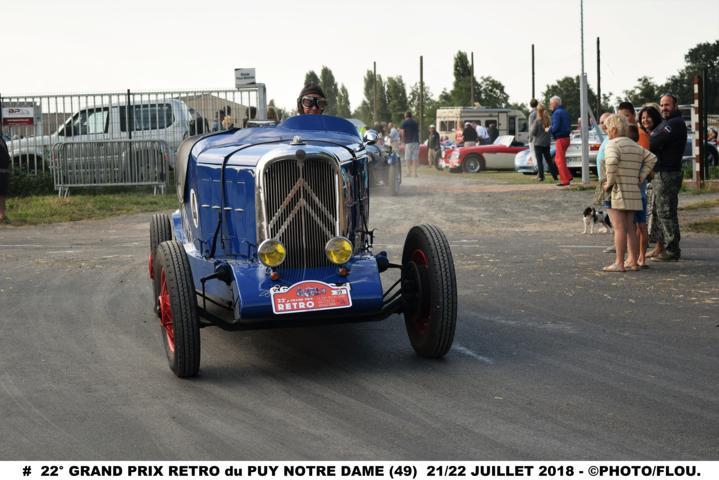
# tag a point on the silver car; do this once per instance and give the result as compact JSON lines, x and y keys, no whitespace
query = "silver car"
{"x":574,"y":152}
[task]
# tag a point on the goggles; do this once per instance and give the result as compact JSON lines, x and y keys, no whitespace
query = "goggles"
{"x":309,"y":102}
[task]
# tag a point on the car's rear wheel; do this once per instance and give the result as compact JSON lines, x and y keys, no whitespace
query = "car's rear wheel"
{"x":395,"y":178}
{"x":160,"y":231}
{"x":473,"y":164}
{"x":429,"y":291}
{"x":178,"y":310}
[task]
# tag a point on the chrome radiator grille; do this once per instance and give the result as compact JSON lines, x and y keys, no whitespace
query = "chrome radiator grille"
{"x":301,"y":208}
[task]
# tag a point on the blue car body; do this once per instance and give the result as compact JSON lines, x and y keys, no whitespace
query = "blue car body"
{"x":240,"y":187}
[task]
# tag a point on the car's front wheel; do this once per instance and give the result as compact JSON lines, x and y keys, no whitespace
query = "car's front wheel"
{"x":429,"y":291}
{"x":472,"y":164}
{"x":178,"y":309}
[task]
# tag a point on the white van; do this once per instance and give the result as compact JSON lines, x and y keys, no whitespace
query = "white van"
{"x":167,"y":120}
{"x":450,"y":121}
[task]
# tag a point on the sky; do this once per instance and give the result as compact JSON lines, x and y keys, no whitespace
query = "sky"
{"x":94,"y":46}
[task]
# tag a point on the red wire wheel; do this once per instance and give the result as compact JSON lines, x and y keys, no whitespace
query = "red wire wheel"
{"x":429,"y":291}
{"x":177,"y":301}
{"x":160,"y":231}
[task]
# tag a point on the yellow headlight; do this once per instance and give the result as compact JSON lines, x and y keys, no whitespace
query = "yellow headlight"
{"x":338,"y":250}
{"x":271,"y":253}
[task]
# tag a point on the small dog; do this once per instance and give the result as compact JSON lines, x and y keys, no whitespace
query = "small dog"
{"x":592,"y":217}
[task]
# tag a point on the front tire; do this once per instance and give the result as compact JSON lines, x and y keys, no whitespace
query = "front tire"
{"x":160,"y":231}
{"x":472,"y":164}
{"x":178,"y":310}
{"x":429,"y":291}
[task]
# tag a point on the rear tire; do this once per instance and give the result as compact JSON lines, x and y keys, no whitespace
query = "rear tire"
{"x":178,"y":310}
{"x":429,"y":291}
{"x":395,"y":178}
{"x":160,"y":231}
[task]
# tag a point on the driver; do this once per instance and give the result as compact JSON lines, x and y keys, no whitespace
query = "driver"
{"x":311,"y":101}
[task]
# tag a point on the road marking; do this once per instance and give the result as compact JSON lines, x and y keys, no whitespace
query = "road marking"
{"x":470,"y":353}
{"x":582,"y":246}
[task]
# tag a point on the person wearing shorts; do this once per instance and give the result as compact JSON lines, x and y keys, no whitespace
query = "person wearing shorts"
{"x":410,"y":136}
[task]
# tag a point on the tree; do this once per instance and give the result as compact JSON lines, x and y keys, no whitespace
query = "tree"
{"x":343,"y":103}
{"x":645,"y":91}
{"x":491,"y":93}
{"x":396,"y":98}
{"x":328,"y":84}
{"x":461,"y":94}
{"x":700,"y":57}
{"x":280,"y":113}
{"x":366,"y":108}
{"x":430,"y":107}
{"x":567,"y":89}
{"x":311,"y":77}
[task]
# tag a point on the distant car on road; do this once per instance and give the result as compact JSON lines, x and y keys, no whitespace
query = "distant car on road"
{"x":497,"y":156}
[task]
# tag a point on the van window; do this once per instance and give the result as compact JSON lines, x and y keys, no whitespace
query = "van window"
{"x":147,"y":117}
{"x":86,"y":122}
{"x":512,"y":126}
{"x":523,"y":127}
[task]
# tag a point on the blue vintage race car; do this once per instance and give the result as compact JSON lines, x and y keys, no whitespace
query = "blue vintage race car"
{"x":272,"y":230}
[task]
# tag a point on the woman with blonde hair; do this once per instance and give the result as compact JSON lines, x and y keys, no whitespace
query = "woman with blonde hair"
{"x":539,"y":134}
{"x":627,"y":165}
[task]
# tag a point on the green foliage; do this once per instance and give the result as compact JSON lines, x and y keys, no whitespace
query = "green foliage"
{"x":397,"y":103}
{"x":700,"y":57}
{"x":311,"y":77}
{"x":23,"y":184}
{"x":328,"y":84}
{"x":430,"y":108}
{"x":343,"y":102}
{"x":491,"y":93}
{"x":645,"y":91}
{"x":567,"y":89}
{"x":366,"y":109}
{"x":461,"y":88}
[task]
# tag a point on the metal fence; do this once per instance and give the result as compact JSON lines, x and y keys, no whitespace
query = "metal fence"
{"x":32,"y":125}
{"x":110,"y":163}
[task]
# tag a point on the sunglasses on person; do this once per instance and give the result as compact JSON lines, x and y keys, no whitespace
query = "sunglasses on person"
{"x":309,"y":102}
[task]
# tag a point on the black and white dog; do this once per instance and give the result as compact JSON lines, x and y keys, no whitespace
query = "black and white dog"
{"x":593,"y":217}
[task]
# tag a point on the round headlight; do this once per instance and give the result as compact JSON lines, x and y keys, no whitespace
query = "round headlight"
{"x":271,"y":252}
{"x":338,"y":250}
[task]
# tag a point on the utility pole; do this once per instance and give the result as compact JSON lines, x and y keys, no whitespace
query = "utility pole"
{"x":421,"y":97}
{"x":533,"y":71}
{"x":471,"y":83}
{"x":374,"y":82}
{"x":583,"y":105}
{"x":599,"y":82}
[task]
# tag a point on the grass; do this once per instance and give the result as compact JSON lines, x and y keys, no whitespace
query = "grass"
{"x":710,"y":225}
{"x":84,"y":206}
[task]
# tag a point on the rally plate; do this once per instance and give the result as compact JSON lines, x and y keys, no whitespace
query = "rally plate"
{"x":310,"y":296}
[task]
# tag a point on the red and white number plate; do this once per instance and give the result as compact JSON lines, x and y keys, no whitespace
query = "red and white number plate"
{"x":310,"y":296}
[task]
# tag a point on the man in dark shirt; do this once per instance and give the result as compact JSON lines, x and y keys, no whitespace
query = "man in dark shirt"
{"x":667,"y":142}
{"x":409,"y":131}
{"x":492,"y":131}
{"x":433,"y":147}
{"x":560,"y":130}
{"x":469,"y":134}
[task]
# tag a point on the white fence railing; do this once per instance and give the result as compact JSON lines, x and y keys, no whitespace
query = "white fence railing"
{"x":32,"y":125}
{"x":109,"y":164}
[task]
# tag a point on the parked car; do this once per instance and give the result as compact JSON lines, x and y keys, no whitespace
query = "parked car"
{"x":497,"y":156}
{"x":526,"y":162}
{"x":273,"y":230}
{"x":168,"y":120}
{"x":574,"y":151}
{"x":384,"y":165}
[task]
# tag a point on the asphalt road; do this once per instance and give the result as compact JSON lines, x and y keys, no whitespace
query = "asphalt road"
{"x":552,"y":359}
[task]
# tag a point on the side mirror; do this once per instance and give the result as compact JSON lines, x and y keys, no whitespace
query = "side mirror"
{"x":370,"y":137}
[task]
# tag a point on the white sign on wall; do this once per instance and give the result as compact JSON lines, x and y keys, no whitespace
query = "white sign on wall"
{"x":244,"y":76}
{"x":18,"y":116}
